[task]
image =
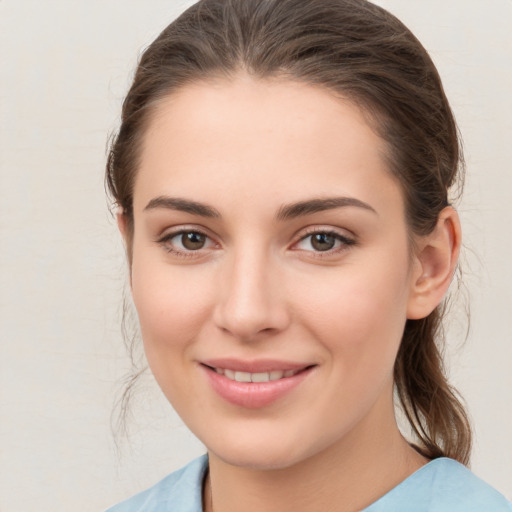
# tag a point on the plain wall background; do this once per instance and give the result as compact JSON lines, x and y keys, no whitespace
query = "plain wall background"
{"x":64,"y":68}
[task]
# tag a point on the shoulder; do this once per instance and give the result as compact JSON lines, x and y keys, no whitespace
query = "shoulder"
{"x":178,"y":492}
{"x":456,"y":481}
{"x":443,"y":485}
{"x":458,"y":487}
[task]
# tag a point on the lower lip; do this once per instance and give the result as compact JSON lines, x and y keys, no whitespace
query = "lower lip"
{"x":253,"y":395}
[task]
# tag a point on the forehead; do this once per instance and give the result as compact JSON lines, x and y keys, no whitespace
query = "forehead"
{"x":244,"y":138}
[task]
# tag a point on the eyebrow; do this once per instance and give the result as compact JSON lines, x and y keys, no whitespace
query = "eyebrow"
{"x":182,"y":205}
{"x":302,"y":208}
{"x":285,"y":212}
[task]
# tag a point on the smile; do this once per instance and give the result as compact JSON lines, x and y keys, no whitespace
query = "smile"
{"x":256,"y":377}
{"x":254,"y":384}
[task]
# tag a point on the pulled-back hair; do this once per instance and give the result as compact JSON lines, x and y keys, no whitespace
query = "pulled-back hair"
{"x":358,"y":51}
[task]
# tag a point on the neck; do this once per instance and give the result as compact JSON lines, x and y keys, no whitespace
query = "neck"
{"x":346,"y":477}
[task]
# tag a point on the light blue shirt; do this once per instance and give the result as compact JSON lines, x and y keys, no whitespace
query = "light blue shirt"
{"x":442,"y":485}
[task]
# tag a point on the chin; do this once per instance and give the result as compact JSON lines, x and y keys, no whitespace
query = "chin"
{"x":264,"y":452}
{"x":256,"y":459}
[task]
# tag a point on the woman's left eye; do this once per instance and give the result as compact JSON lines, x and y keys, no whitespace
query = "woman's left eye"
{"x":323,"y":241}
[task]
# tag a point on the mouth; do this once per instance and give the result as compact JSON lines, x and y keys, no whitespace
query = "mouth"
{"x":241,"y":376}
{"x":254,"y":384}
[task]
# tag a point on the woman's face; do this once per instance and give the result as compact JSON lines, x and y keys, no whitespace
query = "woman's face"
{"x":270,"y":246}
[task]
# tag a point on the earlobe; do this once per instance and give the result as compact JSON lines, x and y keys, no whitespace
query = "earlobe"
{"x":435,"y":264}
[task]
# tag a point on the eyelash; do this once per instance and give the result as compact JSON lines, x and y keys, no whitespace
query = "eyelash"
{"x":344,"y":240}
{"x":164,"y":242}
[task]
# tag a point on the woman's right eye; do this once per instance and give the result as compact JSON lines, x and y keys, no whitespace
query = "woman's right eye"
{"x":186,"y":241}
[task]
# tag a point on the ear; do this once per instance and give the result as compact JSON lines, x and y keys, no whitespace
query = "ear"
{"x":121,"y":223}
{"x":434,"y":265}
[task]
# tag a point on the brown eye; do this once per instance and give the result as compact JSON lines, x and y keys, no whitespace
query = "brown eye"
{"x":322,"y":241}
{"x":193,"y":240}
{"x":187,"y":243}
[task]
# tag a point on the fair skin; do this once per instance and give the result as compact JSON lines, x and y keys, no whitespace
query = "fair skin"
{"x":230,"y":272}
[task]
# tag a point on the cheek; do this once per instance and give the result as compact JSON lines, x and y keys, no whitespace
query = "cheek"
{"x":359,"y":312}
{"x":172,"y":304}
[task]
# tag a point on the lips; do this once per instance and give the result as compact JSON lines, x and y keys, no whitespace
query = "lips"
{"x":254,"y":384}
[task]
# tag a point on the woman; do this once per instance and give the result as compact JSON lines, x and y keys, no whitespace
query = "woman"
{"x":282,"y":172}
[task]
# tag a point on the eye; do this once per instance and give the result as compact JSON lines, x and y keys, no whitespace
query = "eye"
{"x":186,"y":241}
{"x":323,"y":241}
{"x":191,"y":240}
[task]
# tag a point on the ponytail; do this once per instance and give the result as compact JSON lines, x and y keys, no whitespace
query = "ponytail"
{"x":429,"y":403}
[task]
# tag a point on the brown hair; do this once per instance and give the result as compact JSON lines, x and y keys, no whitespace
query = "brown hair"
{"x":359,"y":51}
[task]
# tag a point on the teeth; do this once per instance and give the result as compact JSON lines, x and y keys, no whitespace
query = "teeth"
{"x":242,"y":377}
{"x":260,"y":377}
{"x":255,"y":377}
{"x":229,"y":374}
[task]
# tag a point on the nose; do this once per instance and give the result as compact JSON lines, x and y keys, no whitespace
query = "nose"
{"x":251,"y":298}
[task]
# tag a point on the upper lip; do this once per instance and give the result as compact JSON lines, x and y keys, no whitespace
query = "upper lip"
{"x":254,"y":366}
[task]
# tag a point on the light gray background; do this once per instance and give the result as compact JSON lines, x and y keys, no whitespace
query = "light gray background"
{"x":64,"y":67}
